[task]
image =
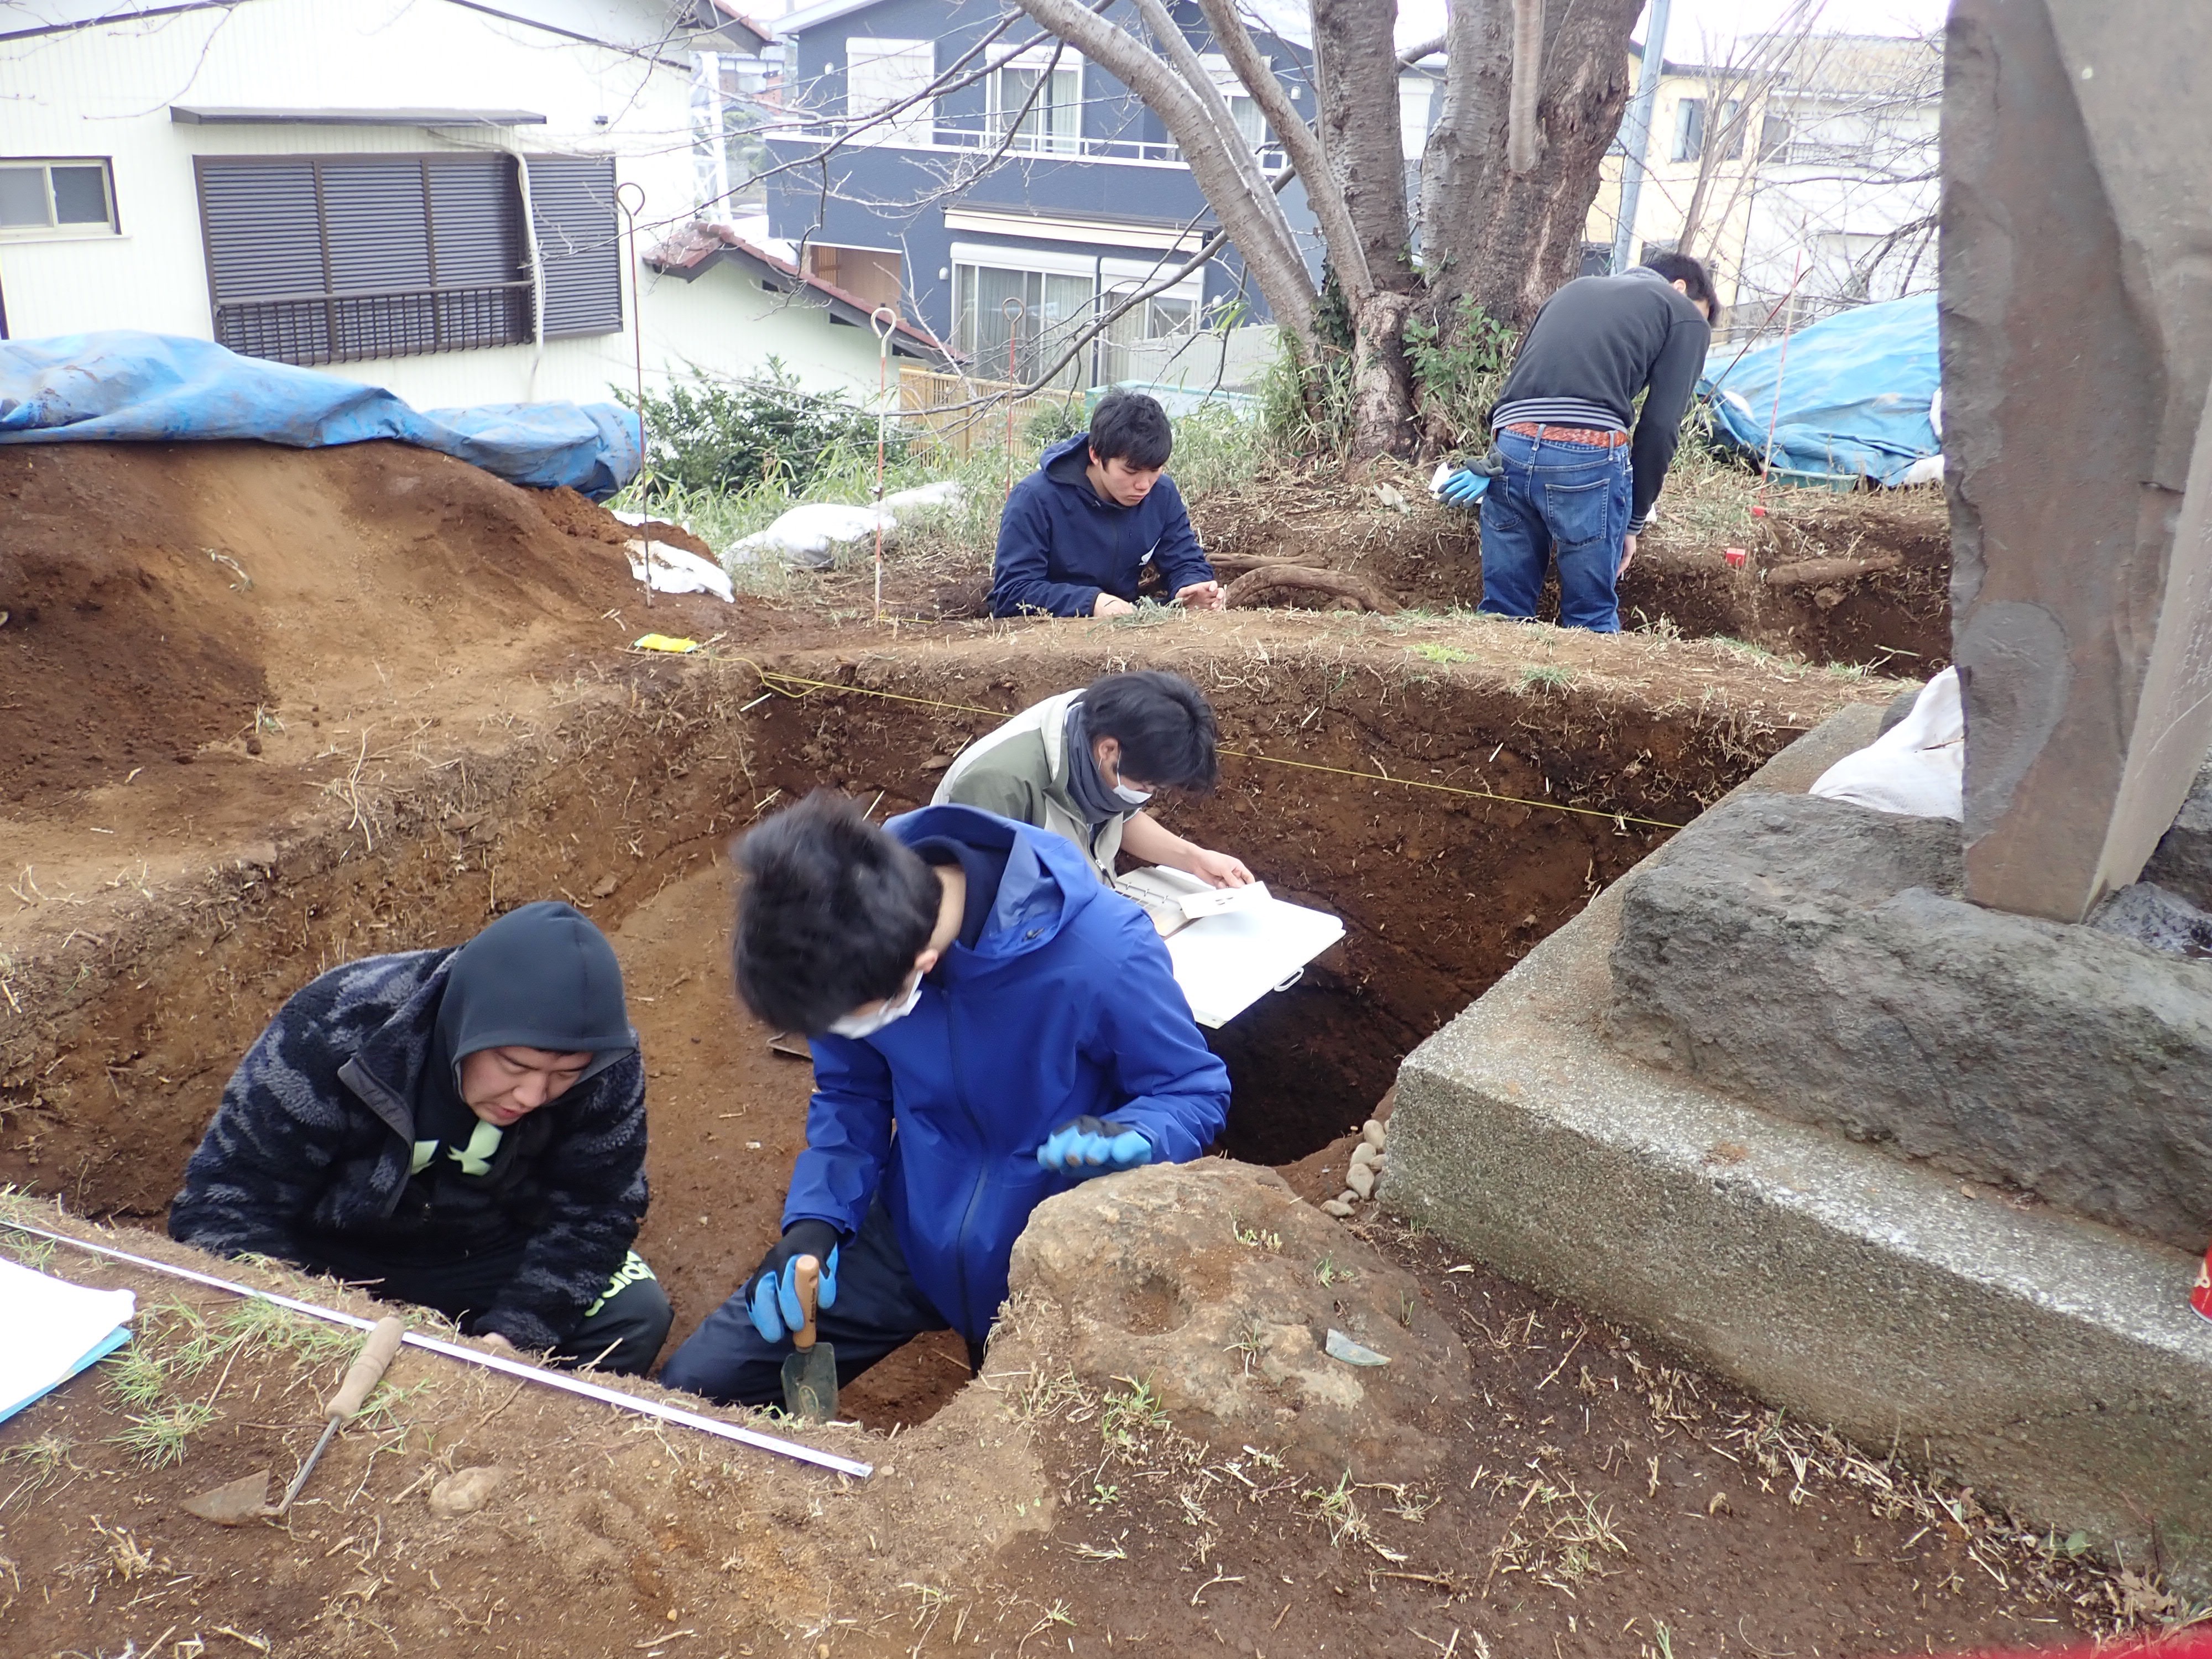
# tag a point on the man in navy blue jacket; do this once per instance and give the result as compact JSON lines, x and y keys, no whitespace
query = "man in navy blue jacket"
{"x":1079,"y":532}
{"x":970,"y":985}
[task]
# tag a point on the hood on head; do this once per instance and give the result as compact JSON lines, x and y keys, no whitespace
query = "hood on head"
{"x":1046,"y":879}
{"x":540,"y":977}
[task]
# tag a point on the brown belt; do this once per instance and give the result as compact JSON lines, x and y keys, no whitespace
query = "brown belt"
{"x":1569,"y":435}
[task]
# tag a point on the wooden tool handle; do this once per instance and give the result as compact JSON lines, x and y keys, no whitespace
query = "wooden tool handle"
{"x":367,"y":1370}
{"x":806,"y":1280}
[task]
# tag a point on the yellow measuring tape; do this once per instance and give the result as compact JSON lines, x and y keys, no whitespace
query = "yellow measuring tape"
{"x":776,"y":681}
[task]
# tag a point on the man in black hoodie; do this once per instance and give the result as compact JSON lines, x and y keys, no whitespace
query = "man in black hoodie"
{"x":1573,"y":478}
{"x":463,"y":1129}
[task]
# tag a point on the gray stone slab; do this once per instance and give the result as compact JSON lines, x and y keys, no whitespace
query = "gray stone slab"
{"x":2076,"y":235}
{"x":2052,"y":1364}
{"x":1813,"y":957}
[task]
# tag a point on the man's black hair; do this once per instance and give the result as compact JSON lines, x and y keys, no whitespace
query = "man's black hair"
{"x":1129,"y":426}
{"x":1164,"y":723}
{"x":1691,"y":273}
{"x":833,"y":913}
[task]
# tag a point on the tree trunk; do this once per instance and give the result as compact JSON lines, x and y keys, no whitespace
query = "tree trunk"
{"x":1508,"y":239}
{"x":1382,"y":380}
{"x":1356,"y":68}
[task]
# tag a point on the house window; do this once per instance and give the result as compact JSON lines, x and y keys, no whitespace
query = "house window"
{"x":1690,"y":130}
{"x":43,"y":197}
{"x":1036,"y":105}
{"x":332,"y":258}
{"x":882,"y":75}
{"x":1143,"y":341}
{"x":869,"y":274}
{"x":1011,"y":324}
{"x":1244,"y":108}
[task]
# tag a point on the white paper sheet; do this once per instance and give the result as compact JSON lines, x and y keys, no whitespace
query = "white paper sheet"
{"x":1226,"y":963}
{"x":50,"y":1329}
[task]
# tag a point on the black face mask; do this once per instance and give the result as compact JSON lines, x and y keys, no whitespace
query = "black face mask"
{"x":1086,"y":785}
{"x":540,"y":977}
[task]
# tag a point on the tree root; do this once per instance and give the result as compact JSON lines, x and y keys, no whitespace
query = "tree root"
{"x":1814,"y":573}
{"x":1296,"y":584}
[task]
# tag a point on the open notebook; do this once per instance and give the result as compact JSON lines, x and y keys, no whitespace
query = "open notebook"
{"x":54,"y":1330}
{"x":1229,"y":945}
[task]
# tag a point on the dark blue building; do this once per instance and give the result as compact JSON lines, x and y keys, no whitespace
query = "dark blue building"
{"x":1007,"y":261}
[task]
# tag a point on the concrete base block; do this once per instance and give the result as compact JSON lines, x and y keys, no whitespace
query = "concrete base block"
{"x":2052,"y":1364}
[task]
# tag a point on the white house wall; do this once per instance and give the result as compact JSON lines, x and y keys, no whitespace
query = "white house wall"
{"x":105,"y":91}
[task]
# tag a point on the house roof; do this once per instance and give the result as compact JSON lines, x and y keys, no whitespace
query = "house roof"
{"x":698,"y":248}
{"x":606,"y":22}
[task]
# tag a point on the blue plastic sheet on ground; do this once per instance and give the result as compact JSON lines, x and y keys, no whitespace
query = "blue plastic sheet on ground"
{"x":124,"y":385}
{"x":1856,"y":394}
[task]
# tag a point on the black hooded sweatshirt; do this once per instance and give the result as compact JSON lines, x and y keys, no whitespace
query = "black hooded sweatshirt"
{"x":343,"y":1144}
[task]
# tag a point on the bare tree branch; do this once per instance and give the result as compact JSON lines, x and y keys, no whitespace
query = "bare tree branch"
{"x":1300,"y":144}
{"x":1522,"y":138}
{"x":1257,"y":226}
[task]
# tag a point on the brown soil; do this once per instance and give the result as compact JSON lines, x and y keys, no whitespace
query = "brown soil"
{"x":1387,"y":530}
{"x":449,"y":724}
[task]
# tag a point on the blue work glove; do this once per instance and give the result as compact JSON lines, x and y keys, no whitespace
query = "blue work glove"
{"x":772,"y":1299}
{"x":1094,"y":1146}
{"x":1462,"y":489}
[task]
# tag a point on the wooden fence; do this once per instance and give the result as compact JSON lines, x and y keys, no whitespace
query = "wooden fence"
{"x":940,"y":411}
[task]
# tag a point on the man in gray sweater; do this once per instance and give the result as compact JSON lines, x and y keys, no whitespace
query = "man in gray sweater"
{"x":1570,"y":475}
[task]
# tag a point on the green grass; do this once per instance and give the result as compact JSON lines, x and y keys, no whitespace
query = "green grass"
{"x":1547,"y":675}
{"x":1213,"y":450}
{"x":158,"y":1438}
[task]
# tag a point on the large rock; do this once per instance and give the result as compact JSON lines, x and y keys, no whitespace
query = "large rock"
{"x":1217,"y":1285}
{"x":2076,"y":229}
{"x":2182,"y":861}
{"x":1813,"y":958}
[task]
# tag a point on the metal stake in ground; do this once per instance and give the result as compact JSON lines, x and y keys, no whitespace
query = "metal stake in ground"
{"x":630,"y":209}
{"x":883,"y":334}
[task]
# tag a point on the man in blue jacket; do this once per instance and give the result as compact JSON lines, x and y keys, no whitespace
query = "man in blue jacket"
{"x":970,"y":985}
{"x":1079,"y":532}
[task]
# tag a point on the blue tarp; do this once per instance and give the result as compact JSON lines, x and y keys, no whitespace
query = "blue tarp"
{"x":125,"y":385}
{"x":1856,"y":394}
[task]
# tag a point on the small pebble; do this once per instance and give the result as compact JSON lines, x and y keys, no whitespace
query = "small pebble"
{"x":1373,"y":1134}
{"x":1360,"y":1179}
{"x":465,"y":1493}
{"x":1337,"y":1207}
{"x":1348,"y":1196}
{"x":1365,"y":1152}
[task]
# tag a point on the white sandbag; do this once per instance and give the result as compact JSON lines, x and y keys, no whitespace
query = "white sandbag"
{"x":946,"y":492}
{"x":1917,"y":768}
{"x":677,"y":571}
{"x":808,"y":535}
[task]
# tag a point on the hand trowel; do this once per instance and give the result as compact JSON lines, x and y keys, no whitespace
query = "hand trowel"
{"x":810,"y":1369}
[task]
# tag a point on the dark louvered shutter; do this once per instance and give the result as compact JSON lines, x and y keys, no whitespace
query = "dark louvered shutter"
{"x":579,"y":242}
{"x":476,"y":220}
{"x":376,"y":222}
{"x":264,"y":255}
{"x":318,"y":259}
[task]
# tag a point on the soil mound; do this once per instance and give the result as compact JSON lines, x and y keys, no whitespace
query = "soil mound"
{"x":158,"y":599}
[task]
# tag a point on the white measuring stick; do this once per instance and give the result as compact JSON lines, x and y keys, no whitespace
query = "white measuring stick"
{"x":527,"y":1372}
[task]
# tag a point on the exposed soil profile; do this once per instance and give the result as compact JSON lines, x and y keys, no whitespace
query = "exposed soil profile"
{"x":1893,"y":614}
{"x":445,"y":721}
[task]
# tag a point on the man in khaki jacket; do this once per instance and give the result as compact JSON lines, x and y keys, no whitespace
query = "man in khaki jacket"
{"x":1084,"y":763}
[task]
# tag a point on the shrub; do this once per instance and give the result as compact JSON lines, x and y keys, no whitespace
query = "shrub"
{"x":727,"y":436}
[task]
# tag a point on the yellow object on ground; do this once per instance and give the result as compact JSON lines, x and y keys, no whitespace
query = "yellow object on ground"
{"x":663,"y":642}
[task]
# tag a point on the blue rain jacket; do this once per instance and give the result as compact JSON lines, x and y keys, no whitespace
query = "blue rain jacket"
{"x":1060,"y":545}
{"x":1066,"y":1006}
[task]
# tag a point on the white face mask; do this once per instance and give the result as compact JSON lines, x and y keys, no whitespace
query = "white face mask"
{"x":861,"y":1025}
{"x":1125,"y":795}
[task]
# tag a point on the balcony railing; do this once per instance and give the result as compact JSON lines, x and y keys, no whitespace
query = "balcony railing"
{"x":336,"y":328}
{"x":945,"y":135}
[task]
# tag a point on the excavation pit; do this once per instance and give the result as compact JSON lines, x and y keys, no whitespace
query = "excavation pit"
{"x":625,"y":807}
{"x":427,"y":712}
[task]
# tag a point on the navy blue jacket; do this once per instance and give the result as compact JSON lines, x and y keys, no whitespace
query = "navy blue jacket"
{"x":1066,"y":1005}
{"x":1060,"y":546}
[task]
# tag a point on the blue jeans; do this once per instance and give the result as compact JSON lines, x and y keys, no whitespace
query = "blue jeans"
{"x":1571,"y":497}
